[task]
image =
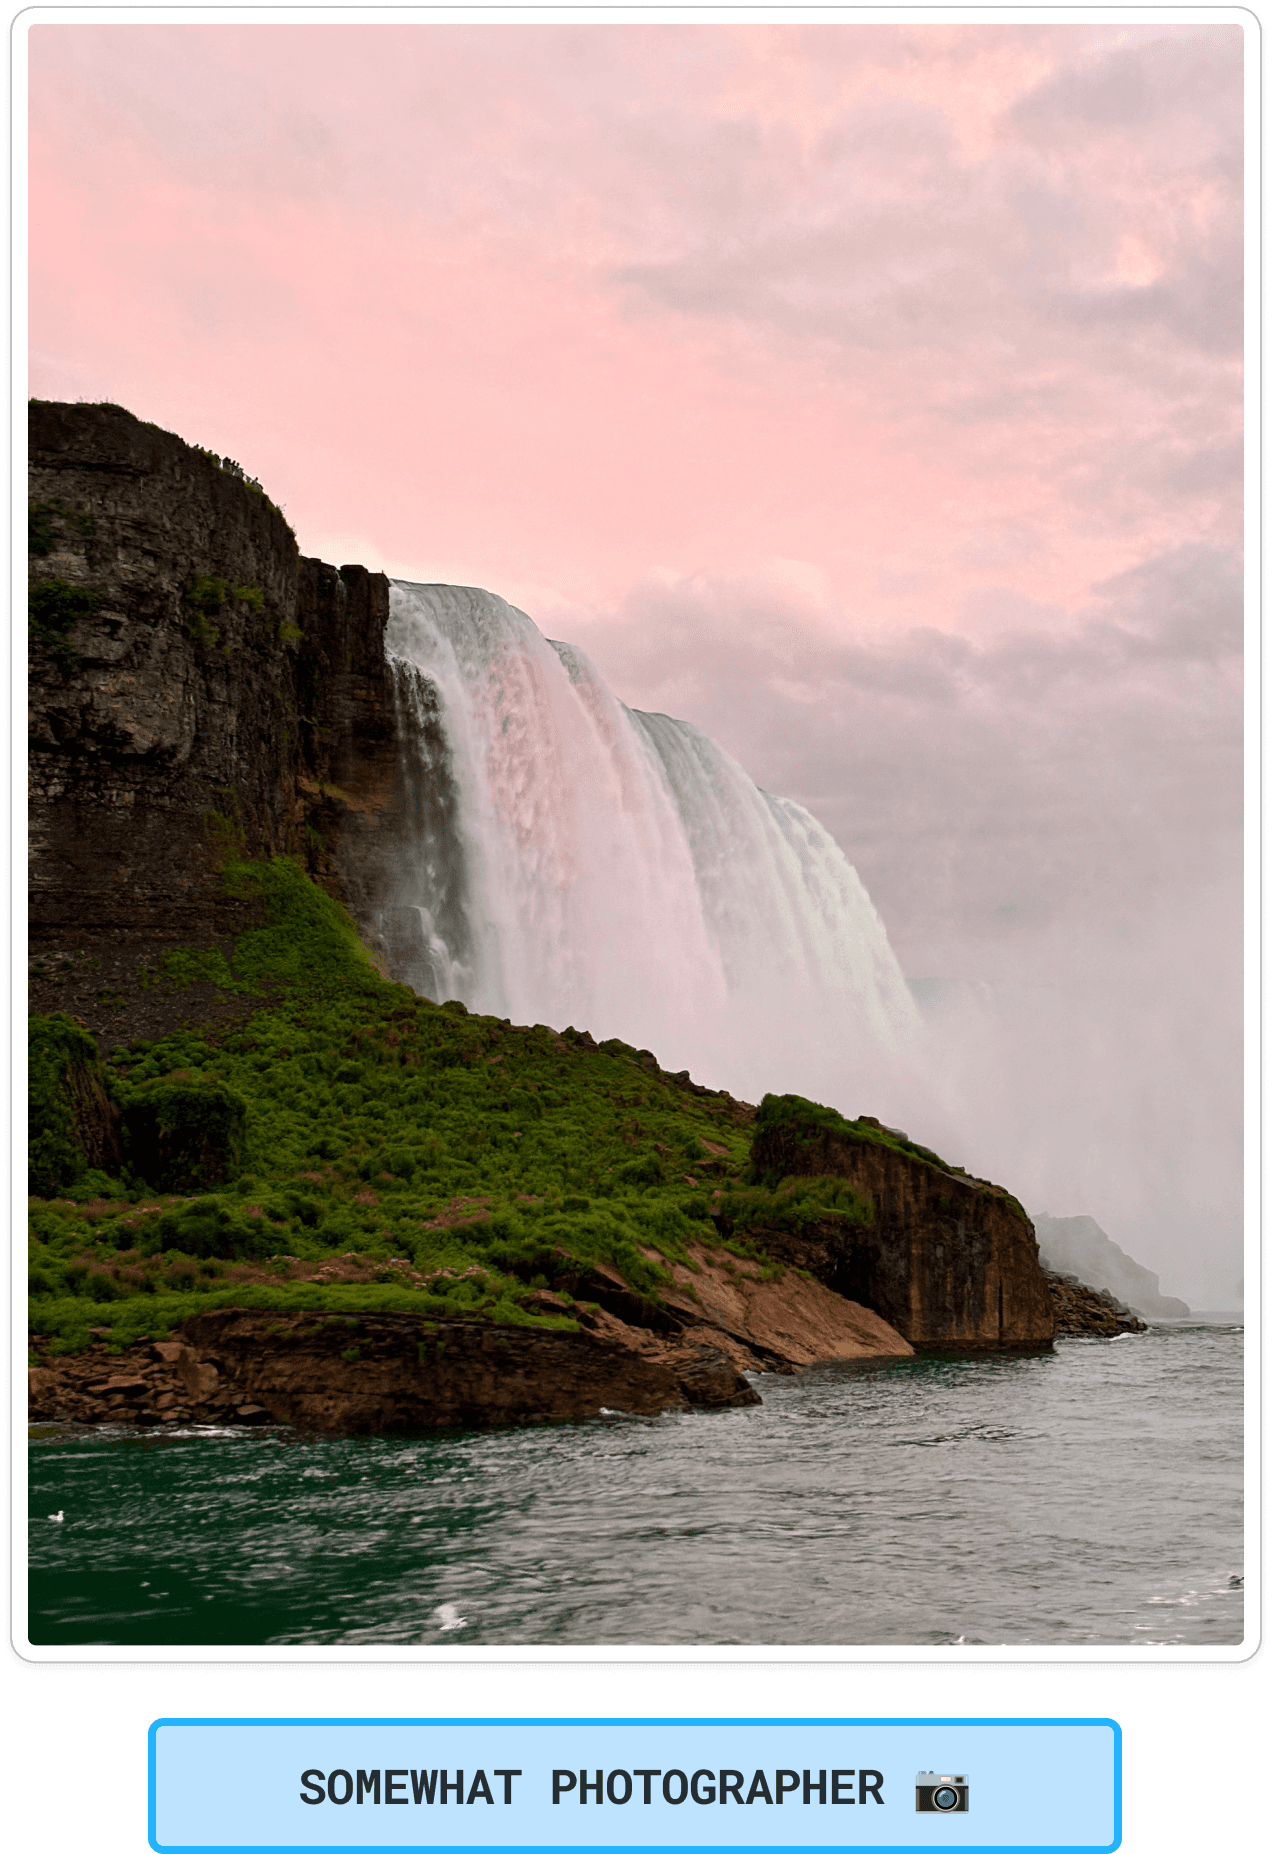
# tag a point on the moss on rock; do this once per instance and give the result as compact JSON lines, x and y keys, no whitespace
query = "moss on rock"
{"x":73,"y":1123}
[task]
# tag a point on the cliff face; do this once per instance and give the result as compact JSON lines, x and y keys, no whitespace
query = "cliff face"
{"x":164,"y":651}
{"x":198,"y":690}
{"x":1078,"y":1246}
{"x":948,"y":1260}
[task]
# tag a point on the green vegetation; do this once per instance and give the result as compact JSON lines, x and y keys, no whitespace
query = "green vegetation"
{"x":183,"y":1130}
{"x":462,"y":1159}
{"x":54,"y":607}
{"x":206,"y":598}
{"x":792,"y":1115}
{"x":191,"y":966}
{"x":795,"y":1205}
{"x":63,"y":1071}
{"x":47,"y":521}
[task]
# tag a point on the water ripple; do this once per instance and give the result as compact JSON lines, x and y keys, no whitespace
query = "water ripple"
{"x":1088,"y":1496}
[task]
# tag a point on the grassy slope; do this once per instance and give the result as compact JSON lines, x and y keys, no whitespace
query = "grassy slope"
{"x":380,"y":1124}
{"x":369,"y":1113}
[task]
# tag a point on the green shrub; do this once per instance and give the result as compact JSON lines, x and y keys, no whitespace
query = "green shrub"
{"x":71,"y":1115}
{"x":645,"y":1171}
{"x":781,"y":1111}
{"x":796,"y":1205}
{"x":207,"y":1229}
{"x":183,"y":1131}
{"x":186,"y":966}
{"x":54,"y":607}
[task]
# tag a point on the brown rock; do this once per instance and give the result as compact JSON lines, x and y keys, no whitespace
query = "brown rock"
{"x":1080,"y":1309}
{"x":252,"y":1413}
{"x":710,"y":1380}
{"x":541,"y":1300}
{"x":198,"y":1379}
{"x":792,"y":1320}
{"x":416,"y":1375}
{"x":948,"y":1260}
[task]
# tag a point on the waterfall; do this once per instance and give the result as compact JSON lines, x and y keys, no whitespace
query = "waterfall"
{"x":582,"y":863}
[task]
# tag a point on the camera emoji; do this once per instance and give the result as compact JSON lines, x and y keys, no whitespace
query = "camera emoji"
{"x":935,"y":1795}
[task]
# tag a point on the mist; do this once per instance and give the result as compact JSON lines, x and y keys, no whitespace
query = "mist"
{"x":1049,"y":822}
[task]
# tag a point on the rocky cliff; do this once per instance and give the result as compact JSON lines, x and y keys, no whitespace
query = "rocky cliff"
{"x":198,"y":690}
{"x":946,"y":1259}
{"x":1077,"y":1246}
{"x":202,"y":694}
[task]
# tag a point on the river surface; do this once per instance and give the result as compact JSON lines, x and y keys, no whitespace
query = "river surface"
{"x":1086,"y":1496}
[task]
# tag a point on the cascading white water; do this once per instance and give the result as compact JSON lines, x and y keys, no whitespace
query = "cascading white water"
{"x":618,"y":871}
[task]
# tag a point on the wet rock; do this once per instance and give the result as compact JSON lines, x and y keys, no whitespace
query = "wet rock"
{"x":1079,"y":1251}
{"x":1081,"y":1309}
{"x":199,"y":1379}
{"x":384,"y":1374}
{"x":711,"y":1381}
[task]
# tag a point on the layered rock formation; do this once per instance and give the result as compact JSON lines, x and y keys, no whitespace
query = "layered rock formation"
{"x":762,"y":1318}
{"x":379,"y":1374}
{"x":199,"y":690}
{"x":947,"y":1260}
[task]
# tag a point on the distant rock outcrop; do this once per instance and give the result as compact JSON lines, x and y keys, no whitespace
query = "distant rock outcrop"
{"x":1078,"y":1246}
{"x":948,"y":1260}
{"x":1093,"y":1311}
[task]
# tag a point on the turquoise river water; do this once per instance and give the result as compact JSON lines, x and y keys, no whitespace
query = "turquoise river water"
{"x":1087,"y":1496}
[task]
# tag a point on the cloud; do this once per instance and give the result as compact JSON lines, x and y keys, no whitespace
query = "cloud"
{"x":903,"y":302}
{"x":971,"y":782}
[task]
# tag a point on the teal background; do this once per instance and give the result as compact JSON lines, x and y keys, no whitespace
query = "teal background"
{"x":1195,"y":1739}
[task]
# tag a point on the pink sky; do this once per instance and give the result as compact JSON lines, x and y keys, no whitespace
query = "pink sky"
{"x":870,"y":395}
{"x":935,"y":313}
